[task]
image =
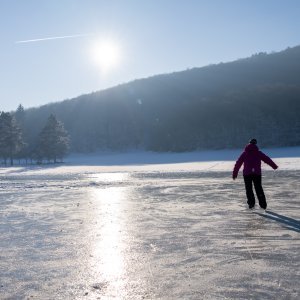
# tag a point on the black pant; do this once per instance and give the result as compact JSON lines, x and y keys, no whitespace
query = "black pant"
{"x":256,"y":180}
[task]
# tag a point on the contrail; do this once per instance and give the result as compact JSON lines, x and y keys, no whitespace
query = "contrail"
{"x":54,"y":38}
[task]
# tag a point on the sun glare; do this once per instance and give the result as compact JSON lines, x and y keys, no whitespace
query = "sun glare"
{"x":106,"y":54}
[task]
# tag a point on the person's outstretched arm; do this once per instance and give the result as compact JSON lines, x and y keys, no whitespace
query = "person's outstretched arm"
{"x":266,"y":159}
{"x":238,"y":165}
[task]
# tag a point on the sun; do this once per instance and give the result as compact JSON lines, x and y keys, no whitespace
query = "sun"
{"x":106,"y":54}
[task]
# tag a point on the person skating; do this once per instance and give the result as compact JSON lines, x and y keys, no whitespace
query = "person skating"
{"x":251,"y":158}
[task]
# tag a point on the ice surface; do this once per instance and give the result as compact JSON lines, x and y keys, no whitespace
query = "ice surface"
{"x":133,"y":228}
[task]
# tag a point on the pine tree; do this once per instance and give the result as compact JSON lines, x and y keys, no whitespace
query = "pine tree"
{"x":20,"y":116}
{"x":53,"y":141}
{"x":11,"y":141}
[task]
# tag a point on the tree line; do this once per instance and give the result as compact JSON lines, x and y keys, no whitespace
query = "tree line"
{"x":51,"y":144}
{"x":214,"y":107}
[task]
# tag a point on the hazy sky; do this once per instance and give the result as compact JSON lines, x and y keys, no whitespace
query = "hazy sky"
{"x":105,"y":43}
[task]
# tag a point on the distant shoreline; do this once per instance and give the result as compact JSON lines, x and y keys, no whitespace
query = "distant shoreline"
{"x":143,"y":158}
{"x":176,"y":157}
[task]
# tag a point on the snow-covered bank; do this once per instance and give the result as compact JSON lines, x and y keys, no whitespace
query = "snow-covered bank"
{"x":140,"y":157}
{"x":214,"y":160}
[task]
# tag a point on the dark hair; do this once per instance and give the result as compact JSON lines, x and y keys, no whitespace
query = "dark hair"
{"x":253,"y":141}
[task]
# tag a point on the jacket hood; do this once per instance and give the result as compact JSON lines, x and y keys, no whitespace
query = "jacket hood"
{"x":251,"y":148}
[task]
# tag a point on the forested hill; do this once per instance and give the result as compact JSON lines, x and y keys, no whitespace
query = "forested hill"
{"x":218,"y":106}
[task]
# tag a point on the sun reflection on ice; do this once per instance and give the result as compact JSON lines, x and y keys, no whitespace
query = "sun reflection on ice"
{"x":109,"y":244}
{"x":110,"y":177}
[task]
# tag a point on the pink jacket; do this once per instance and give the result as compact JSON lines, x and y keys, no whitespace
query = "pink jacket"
{"x":251,"y":158}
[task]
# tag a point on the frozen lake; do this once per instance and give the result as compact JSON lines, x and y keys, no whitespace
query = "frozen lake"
{"x":178,"y":231}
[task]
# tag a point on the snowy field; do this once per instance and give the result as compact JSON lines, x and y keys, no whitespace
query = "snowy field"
{"x":149,"y":226}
